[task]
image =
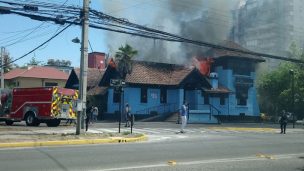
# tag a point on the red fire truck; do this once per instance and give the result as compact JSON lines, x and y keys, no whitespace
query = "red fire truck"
{"x":38,"y":105}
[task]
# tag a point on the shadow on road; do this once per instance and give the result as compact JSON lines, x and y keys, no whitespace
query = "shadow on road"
{"x":301,"y":169}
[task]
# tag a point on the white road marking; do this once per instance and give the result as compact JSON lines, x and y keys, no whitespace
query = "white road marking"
{"x":171,"y":130}
{"x":108,"y":130}
{"x":208,"y":161}
{"x":149,"y":130}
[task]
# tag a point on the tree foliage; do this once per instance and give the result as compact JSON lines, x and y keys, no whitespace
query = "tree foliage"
{"x":7,"y":62}
{"x":275,"y":87}
{"x":34,"y":62}
{"x":124,"y":59}
{"x":58,"y":62}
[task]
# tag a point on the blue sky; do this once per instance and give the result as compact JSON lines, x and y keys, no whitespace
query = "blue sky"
{"x":21,"y":29}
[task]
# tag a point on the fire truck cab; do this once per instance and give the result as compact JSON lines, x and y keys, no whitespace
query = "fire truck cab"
{"x":38,"y":105}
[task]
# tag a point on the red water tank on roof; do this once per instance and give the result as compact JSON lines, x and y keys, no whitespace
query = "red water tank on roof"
{"x":96,"y":60}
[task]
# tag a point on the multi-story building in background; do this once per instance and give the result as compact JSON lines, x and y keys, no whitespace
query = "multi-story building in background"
{"x":269,"y":26}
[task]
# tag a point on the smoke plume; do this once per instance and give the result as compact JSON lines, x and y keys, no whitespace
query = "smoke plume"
{"x":203,"y":20}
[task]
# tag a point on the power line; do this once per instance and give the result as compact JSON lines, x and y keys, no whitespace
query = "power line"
{"x":22,"y":38}
{"x":110,"y":23}
{"x":38,"y":46}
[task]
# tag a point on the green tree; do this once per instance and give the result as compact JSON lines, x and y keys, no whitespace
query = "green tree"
{"x":7,"y":62}
{"x":124,"y":60}
{"x":274,"y":88}
{"x":57,"y":62}
{"x":34,"y":62}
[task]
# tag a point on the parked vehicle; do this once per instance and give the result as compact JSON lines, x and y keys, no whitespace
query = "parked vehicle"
{"x":38,"y":105}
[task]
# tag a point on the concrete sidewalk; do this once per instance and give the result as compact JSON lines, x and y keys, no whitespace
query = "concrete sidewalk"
{"x":20,"y":135}
{"x":23,"y":136}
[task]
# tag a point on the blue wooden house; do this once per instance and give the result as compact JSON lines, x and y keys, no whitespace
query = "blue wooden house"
{"x":237,"y":73}
{"x":157,"y":90}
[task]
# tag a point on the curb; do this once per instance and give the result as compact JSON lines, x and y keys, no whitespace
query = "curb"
{"x":73,"y":142}
{"x":244,"y":129}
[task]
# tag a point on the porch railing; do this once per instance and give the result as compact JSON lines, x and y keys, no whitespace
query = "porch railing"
{"x":203,"y":109}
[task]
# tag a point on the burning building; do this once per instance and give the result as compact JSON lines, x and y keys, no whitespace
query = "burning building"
{"x":220,"y":88}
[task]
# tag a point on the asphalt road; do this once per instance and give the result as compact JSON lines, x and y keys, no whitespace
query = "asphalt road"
{"x":205,"y":151}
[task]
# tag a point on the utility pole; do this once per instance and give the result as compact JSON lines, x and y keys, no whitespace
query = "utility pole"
{"x":2,"y":67}
{"x":83,"y":66}
{"x":292,"y":97}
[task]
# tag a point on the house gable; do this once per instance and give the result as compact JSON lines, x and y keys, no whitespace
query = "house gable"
{"x":73,"y":81}
{"x":195,"y":80}
{"x":110,"y":73}
{"x":93,"y":80}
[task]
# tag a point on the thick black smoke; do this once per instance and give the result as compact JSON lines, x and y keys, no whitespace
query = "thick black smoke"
{"x":203,"y":20}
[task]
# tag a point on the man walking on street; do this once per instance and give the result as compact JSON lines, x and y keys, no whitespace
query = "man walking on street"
{"x":184,"y":113}
{"x":283,"y":122}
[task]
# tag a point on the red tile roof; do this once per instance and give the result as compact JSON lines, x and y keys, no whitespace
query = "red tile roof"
{"x":13,"y":73}
{"x":157,"y":73}
{"x":37,"y":72}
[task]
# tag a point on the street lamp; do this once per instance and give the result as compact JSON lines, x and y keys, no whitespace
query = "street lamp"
{"x":83,"y":65}
{"x":80,"y":110}
{"x":76,"y":40}
{"x":291,"y":72}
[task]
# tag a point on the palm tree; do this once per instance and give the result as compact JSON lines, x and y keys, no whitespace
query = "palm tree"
{"x":124,"y":60}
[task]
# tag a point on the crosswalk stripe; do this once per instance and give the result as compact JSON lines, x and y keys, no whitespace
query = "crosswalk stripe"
{"x":139,"y":130}
{"x":152,"y":131}
{"x":171,"y":130}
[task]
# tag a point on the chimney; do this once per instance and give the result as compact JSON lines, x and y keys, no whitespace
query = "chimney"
{"x":214,"y":80}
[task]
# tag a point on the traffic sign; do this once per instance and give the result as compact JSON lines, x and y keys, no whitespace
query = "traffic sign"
{"x":117,"y":83}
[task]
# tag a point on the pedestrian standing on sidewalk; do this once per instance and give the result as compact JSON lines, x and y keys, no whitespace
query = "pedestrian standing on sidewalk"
{"x":128,"y":115}
{"x":283,"y":122}
{"x":183,"y":114}
{"x":88,"y":114}
{"x":94,"y":114}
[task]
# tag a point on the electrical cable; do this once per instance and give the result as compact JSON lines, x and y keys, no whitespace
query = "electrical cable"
{"x":18,"y":41}
{"x":126,"y":27}
{"x":37,"y":46}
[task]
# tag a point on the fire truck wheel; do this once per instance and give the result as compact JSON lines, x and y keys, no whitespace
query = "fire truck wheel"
{"x":9,"y":122}
{"x":30,"y":119}
{"x":53,"y":123}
